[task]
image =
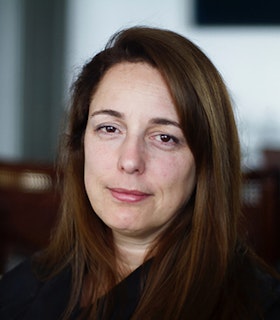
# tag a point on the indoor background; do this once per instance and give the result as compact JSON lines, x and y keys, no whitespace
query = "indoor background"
{"x":44,"y":43}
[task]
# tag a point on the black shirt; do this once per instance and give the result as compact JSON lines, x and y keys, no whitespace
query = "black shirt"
{"x":24,"y":297}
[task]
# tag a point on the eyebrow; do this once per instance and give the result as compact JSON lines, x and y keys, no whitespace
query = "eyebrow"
{"x":166,"y":122}
{"x":117,"y":114}
{"x":110,"y":112}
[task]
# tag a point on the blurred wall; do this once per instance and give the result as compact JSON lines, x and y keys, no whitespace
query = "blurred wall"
{"x":32,"y":60}
{"x":10,"y":72}
{"x":247,"y":57}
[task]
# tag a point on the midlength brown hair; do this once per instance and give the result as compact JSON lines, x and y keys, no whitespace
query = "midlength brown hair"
{"x":199,"y":262}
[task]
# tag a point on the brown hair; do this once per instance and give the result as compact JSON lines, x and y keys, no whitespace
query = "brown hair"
{"x":199,"y":265}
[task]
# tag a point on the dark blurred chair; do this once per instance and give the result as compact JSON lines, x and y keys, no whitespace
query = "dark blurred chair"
{"x":261,"y":207}
{"x":271,"y":159}
{"x":28,"y":208}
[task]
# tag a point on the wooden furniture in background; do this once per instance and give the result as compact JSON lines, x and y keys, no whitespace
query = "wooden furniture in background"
{"x":261,"y":207}
{"x":28,"y":208}
{"x":271,"y":159}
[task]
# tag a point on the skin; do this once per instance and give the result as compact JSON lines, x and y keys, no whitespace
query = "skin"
{"x":139,"y":170}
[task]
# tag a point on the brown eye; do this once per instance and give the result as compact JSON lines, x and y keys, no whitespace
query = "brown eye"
{"x":107,"y":129}
{"x":165,"y":138}
{"x":110,"y":129}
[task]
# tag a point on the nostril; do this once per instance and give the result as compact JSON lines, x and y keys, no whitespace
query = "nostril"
{"x":131,"y":161}
{"x":132,"y":155}
{"x":131,"y":165}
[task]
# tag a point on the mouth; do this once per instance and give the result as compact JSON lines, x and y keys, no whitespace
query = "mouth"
{"x":129,"y":196}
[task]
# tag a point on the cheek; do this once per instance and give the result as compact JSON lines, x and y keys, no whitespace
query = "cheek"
{"x":96,"y":156}
{"x":92,"y":164}
{"x":176,"y":174}
{"x":167,"y":169}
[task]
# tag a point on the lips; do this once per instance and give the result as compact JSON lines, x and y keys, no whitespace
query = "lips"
{"x":130,"y":196}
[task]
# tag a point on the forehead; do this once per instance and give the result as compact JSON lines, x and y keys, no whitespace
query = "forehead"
{"x":122,"y":74}
{"x":132,"y":84}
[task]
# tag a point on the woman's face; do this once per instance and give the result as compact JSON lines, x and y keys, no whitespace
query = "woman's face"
{"x":139,"y":170}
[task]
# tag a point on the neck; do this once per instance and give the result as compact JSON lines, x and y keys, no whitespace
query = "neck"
{"x":131,"y":251}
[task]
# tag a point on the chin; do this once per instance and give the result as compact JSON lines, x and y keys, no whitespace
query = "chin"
{"x":126,"y":229}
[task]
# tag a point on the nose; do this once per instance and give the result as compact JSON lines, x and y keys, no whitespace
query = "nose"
{"x":132,"y":156}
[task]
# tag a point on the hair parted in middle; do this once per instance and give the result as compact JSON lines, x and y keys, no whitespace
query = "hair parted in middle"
{"x":196,"y":252}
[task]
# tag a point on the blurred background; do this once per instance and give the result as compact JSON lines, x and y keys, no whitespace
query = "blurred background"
{"x":44,"y":43}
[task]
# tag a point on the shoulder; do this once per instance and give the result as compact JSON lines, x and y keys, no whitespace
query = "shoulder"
{"x":270,"y":295}
{"x":24,"y":296}
{"x":18,"y":286}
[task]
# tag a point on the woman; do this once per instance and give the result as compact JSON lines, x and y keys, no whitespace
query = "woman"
{"x":150,"y":218}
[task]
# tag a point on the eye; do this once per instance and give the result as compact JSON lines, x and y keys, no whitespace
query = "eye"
{"x":110,"y":129}
{"x":167,"y":139}
{"x":107,"y":129}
